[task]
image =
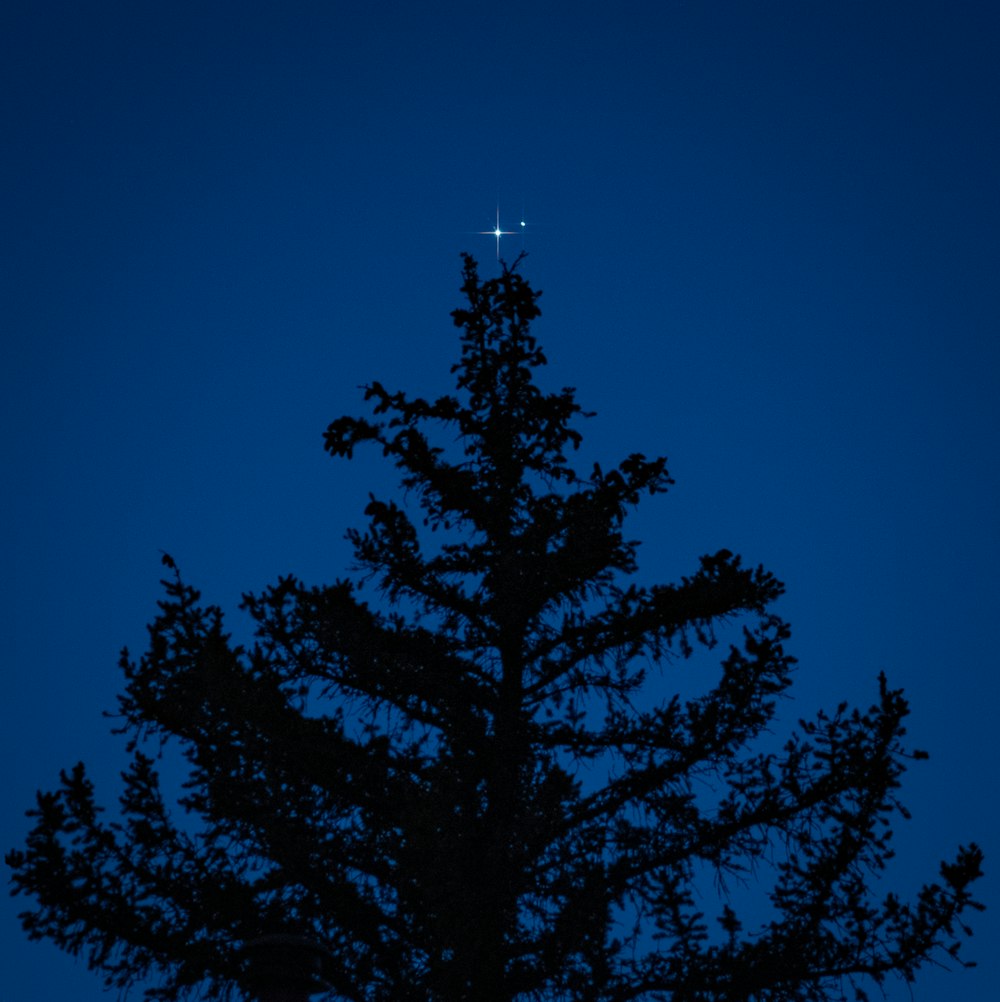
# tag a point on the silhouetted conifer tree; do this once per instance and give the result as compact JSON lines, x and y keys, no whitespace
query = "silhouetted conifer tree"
{"x":483,"y":786}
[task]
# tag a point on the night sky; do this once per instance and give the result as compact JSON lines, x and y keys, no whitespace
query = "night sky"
{"x":767,"y":235}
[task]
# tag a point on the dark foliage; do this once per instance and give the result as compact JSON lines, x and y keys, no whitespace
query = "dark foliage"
{"x":484,"y":789}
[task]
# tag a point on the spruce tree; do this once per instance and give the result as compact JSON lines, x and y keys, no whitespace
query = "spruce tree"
{"x":483,"y":784}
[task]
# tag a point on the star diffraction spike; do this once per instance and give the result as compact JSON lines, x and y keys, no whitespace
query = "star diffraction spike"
{"x":498,"y":233}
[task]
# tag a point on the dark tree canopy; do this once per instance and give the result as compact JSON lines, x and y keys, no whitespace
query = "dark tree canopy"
{"x":484,"y":786}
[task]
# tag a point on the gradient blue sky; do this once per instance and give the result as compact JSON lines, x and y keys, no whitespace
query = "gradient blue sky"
{"x":767,"y":235}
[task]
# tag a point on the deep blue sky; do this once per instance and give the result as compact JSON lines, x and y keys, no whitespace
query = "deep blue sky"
{"x":767,"y":234}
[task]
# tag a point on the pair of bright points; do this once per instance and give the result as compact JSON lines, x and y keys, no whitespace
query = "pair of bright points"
{"x":498,"y":233}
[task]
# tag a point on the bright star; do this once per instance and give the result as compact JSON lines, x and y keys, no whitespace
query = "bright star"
{"x":498,"y":233}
